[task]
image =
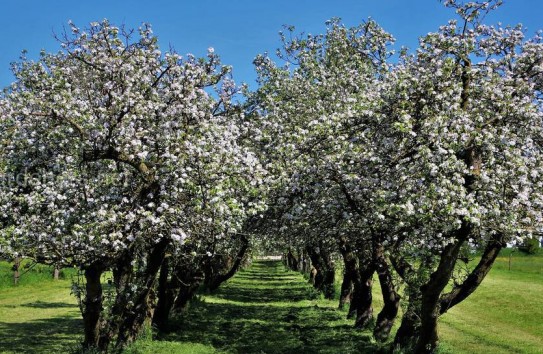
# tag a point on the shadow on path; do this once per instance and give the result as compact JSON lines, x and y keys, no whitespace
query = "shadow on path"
{"x":266,"y":309}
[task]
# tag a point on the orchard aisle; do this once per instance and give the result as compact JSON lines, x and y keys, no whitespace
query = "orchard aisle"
{"x":266,"y":309}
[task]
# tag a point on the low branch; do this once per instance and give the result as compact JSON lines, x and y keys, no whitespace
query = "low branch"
{"x":461,"y":291}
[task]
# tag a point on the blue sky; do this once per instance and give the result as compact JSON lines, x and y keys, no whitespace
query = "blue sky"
{"x":237,"y":29}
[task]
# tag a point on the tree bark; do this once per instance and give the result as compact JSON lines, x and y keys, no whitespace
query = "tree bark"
{"x":391,"y":300}
{"x":350,"y":264}
{"x":292,"y":261}
{"x":56,"y":273}
{"x":409,"y":329}
{"x":325,"y":272}
{"x":362,"y":297}
{"x":165,"y":298}
{"x":16,"y":270}
{"x":123,"y":273}
{"x":461,"y":291}
{"x":133,"y":320}
{"x":220,"y":278}
{"x":346,"y":291}
{"x":300,"y":265}
{"x":431,"y":292}
{"x":187,"y":290}
{"x":92,"y":306}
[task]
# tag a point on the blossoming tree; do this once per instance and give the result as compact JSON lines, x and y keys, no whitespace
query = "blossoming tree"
{"x":134,"y":156}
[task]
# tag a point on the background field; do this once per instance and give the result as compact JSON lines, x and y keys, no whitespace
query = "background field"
{"x":267,"y":309}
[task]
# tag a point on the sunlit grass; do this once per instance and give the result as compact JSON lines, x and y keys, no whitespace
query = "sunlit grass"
{"x":39,"y":315}
{"x":505,"y":315}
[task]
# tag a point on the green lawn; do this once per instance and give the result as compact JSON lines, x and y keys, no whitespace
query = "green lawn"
{"x":266,"y":309}
{"x":39,"y":317}
{"x":505,"y":315}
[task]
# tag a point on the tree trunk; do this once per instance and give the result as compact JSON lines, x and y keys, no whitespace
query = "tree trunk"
{"x":16,"y":272}
{"x":92,"y":306}
{"x":165,"y":298}
{"x":300,"y":264}
{"x":186,"y":293}
{"x":346,"y":291}
{"x":306,"y":264}
{"x":431,"y":292}
{"x":123,"y":273}
{"x":325,"y":273}
{"x":56,"y":273}
{"x":141,"y":311}
{"x":328,"y":287}
{"x":408,"y":331}
{"x":292,"y":261}
{"x":391,"y":299}
{"x":461,"y":291}
{"x":350,"y":263}
{"x":220,"y":278}
{"x":362,"y":297}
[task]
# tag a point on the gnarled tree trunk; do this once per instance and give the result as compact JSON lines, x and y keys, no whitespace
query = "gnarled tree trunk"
{"x":325,"y":273}
{"x":92,"y":309}
{"x":215,"y":280}
{"x":361,"y":303}
{"x":349,"y":273}
{"x":165,"y":297}
{"x":16,"y":272}
{"x":142,"y":308}
{"x":391,"y":299}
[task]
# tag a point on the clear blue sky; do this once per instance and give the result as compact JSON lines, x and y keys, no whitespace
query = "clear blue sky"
{"x":237,"y":29}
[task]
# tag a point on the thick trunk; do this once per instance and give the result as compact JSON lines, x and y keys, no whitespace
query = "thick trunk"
{"x":362,"y":297}
{"x":187,"y":277}
{"x":92,"y":306}
{"x":56,"y":273}
{"x":292,"y":261}
{"x":391,"y":300}
{"x":300,"y":265}
{"x":432,"y":290}
{"x":123,"y":273}
{"x":346,"y":291}
{"x":328,"y":287}
{"x":351,"y":268}
{"x":142,"y":309}
{"x":306,"y":264}
{"x":325,"y":273}
{"x":408,"y":331}
{"x":165,"y":298}
{"x":186,"y":293}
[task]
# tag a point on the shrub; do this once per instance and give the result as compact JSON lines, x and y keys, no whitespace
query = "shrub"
{"x":530,"y":246}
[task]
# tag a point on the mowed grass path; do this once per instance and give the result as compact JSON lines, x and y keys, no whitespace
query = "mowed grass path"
{"x":266,"y":309}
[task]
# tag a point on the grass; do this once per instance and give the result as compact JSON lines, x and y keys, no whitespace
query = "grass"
{"x":505,"y":315}
{"x":30,"y":273}
{"x":39,"y":315}
{"x":265,"y":309}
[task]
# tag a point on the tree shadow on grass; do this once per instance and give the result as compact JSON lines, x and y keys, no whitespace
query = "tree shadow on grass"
{"x":49,"y":305}
{"x":267,"y":319}
{"x":52,"y":335}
